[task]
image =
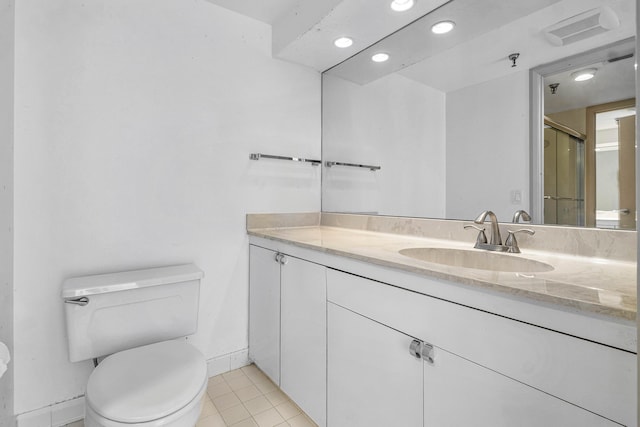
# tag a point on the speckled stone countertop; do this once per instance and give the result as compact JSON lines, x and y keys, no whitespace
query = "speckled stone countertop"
{"x":597,"y":274}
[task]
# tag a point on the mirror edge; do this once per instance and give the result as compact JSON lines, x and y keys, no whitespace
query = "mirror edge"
{"x":536,"y":184}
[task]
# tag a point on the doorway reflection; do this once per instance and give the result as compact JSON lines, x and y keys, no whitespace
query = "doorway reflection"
{"x":615,"y":166}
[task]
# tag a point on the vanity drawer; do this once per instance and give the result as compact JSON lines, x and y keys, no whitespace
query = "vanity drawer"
{"x":593,"y":376}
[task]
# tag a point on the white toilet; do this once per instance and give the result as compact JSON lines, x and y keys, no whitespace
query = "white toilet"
{"x":147,"y":379}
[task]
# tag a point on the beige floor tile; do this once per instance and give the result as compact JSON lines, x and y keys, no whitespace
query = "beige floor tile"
{"x":257,"y":405}
{"x":249,"y":422}
{"x":233,"y":374}
{"x":288,"y":409}
{"x":208,"y":407}
{"x":226,"y":401}
{"x":265,"y":386}
{"x":235,"y":414}
{"x":248,"y":393}
{"x":215,"y":380}
{"x":214,"y":420}
{"x":257,"y":376}
{"x":237,"y":383}
{"x":276,"y":397}
{"x":250,"y":369}
{"x":218,"y":389}
{"x":284,"y":424}
{"x":301,"y":421}
{"x":268,"y":418}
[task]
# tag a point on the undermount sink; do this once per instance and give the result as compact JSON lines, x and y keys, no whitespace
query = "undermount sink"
{"x":478,"y":259}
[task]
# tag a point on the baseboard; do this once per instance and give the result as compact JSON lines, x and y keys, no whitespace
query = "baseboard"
{"x":56,"y":415}
{"x":66,"y":412}
{"x":228,"y":362}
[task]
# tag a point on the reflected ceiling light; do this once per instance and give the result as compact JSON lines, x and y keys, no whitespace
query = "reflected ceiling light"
{"x":402,"y":5}
{"x":380,"y":57}
{"x":442,"y":27}
{"x":343,"y":42}
{"x":583,"y":75}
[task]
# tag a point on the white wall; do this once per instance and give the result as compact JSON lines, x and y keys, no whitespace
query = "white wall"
{"x":134,"y":123}
{"x":6,"y":203}
{"x":393,"y":122}
{"x":488,"y":147}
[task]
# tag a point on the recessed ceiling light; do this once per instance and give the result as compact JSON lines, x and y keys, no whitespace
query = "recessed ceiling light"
{"x":402,"y":5}
{"x":583,"y":75}
{"x":380,"y":57}
{"x":442,"y":27}
{"x":343,"y":42}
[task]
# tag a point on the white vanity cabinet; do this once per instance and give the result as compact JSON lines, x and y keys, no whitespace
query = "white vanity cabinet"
{"x":349,"y":343}
{"x":287,"y":326}
{"x":486,"y":369}
{"x":372,"y":378}
{"x":264,"y":311}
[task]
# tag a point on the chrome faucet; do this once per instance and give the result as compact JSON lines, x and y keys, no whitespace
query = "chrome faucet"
{"x":521,"y":214}
{"x":495,"y":243}
{"x":495,"y":239}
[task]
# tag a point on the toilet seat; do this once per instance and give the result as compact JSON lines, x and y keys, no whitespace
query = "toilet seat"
{"x":147,"y":383}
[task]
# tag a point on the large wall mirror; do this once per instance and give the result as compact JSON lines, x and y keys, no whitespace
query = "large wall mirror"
{"x":454,"y":124}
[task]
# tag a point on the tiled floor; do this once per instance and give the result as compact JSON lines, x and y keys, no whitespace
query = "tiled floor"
{"x":246,"y":398}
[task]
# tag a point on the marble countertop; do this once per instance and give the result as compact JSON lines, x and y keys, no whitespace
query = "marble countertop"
{"x":589,"y":284}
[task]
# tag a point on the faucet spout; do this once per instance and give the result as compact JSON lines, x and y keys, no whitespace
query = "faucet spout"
{"x":495,"y":230}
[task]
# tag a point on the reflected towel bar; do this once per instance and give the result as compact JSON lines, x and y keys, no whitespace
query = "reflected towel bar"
{"x":570,"y":199}
{"x":353,"y":165}
{"x":258,"y":156}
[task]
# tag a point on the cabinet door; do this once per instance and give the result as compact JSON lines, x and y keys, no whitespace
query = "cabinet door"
{"x":458,"y":392}
{"x":373,"y":380}
{"x":303,"y":336}
{"x":264,"y":311}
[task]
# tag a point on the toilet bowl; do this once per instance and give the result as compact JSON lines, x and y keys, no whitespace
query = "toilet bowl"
{"x":148,"y":378}
{"x":159,"y":384}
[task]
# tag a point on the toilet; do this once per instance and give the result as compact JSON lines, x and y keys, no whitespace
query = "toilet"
{"x":149,"y":377}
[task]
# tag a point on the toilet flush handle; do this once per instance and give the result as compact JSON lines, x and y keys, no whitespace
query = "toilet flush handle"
{"x":82,"y":301}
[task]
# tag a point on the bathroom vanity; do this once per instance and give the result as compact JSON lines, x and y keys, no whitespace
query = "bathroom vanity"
{"x":358,"y":333}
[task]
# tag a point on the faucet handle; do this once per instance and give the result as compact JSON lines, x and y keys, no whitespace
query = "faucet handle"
{"x":482,"y":238}
{"x":521,"y":214}
{"x":511,"y":243}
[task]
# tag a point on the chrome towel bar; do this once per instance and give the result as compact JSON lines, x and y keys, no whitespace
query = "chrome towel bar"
{"x":353,"y":165}
{"x":258,"y":156}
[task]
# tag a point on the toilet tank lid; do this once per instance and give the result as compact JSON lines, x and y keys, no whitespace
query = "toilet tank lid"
{"x":126,"y":280}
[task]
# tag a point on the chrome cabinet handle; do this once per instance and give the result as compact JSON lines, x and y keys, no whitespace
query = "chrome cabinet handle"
{"x":82,"y":301}
{"x":415,"y":349}
{"x":422,"y":350}
{"x":281,"y":259}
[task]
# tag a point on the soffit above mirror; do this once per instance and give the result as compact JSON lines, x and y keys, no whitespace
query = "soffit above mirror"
{"x":303,"y":31}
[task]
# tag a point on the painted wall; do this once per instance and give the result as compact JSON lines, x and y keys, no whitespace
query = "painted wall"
{"x":488,"y":148}
{"x":393,"y":122}
{"x":6,"y":203}
{"x":575,"y":119}
{"x":133,"y":128}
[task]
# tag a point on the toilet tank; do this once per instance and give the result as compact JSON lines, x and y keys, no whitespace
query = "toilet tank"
{"x":108,"y":313}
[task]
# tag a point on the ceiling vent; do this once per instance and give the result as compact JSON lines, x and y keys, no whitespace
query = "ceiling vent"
{"x":582,"y":26}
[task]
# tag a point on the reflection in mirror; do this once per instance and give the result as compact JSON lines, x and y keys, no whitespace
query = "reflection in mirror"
{"x":589,"y":138}
{"x":447,"y":117}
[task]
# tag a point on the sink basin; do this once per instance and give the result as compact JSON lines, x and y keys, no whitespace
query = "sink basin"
{"x":478,"y":259}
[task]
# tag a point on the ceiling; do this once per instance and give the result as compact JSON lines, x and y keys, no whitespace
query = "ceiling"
{"x":303,"y":31}
{"x":267,"y":11}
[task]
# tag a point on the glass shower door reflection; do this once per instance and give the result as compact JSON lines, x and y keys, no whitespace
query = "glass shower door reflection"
{"x":563,"y":178}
